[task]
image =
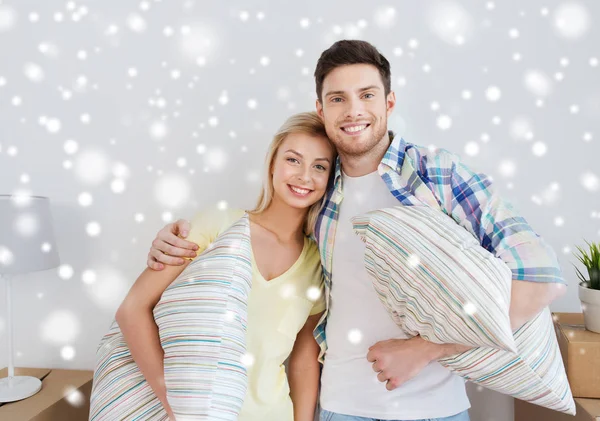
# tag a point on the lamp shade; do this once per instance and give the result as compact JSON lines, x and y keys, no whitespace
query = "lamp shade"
{"x":27,"y":242}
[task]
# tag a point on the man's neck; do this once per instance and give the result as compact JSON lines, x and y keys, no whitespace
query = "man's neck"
{"x":357,"y":166}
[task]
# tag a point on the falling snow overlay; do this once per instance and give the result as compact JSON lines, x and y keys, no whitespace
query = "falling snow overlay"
{"x":131,"y":115}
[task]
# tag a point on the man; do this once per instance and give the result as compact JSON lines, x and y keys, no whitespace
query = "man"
{"x":371,"y":370}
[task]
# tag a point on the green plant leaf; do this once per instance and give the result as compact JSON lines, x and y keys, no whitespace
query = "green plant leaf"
{"x":580,"y":275}
{"x":590,"y":258}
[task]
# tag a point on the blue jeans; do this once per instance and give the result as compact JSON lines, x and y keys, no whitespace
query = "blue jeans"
{"x":331,"y":416}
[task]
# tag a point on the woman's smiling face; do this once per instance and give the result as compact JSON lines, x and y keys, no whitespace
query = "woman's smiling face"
{"x":301,"y":169}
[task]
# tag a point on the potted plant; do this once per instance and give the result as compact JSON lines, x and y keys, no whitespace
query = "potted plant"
{"x":589,"y":288}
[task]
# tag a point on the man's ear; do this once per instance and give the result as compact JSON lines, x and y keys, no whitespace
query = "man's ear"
{"x":319,"y":109}
{"x":390,"y":102}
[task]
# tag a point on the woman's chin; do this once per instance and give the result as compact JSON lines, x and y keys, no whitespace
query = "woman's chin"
{"x":300,"y":206}
{"x":298,"y":203}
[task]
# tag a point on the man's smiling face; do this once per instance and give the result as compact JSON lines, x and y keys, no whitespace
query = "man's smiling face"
{"x":355,"y":108}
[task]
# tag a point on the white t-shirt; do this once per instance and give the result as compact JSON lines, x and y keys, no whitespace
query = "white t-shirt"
{"x":358,"y":320}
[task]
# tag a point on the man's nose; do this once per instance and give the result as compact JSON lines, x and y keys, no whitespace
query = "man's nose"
{"x":355,"y":108}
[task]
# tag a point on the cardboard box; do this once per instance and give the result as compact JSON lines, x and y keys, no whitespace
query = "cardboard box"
{"x":587,"y":410}
{"x":580,"y":351}
{"x":65,"y":395}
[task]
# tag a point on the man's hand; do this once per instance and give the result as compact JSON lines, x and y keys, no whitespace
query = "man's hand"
{"x":168,"y":247}
{"x":399,"y":360}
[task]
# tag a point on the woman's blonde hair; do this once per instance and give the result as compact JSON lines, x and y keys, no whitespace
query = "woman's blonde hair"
{"x":308,"y":123}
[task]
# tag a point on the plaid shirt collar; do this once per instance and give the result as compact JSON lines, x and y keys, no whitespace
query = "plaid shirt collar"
{"x":393,"y":158}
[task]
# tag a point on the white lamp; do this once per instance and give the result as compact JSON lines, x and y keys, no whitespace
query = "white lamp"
{"x":27,"y":244}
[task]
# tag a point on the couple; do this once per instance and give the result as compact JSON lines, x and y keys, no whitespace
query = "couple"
{"x":371,"y":370}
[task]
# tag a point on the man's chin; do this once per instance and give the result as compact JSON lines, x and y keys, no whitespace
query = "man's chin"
{"x":356,"y":143}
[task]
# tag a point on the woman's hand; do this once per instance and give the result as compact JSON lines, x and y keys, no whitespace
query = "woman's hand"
{"x":136,"y":321}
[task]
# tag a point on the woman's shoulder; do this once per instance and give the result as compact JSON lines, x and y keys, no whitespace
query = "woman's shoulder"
{"x":212,"y":221}
{"x":217,"y":217}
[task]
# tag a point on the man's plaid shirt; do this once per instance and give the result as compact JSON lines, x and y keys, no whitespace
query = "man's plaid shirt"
{"x":417,"y":175}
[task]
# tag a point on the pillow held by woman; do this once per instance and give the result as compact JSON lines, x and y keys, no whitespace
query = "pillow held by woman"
{"x":202,"y":318}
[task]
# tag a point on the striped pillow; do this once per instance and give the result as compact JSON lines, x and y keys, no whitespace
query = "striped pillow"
{"x":535,"y":374}
{"x":202,"y":319}
{"x":437,"y":281}
{"x":434,"y":278}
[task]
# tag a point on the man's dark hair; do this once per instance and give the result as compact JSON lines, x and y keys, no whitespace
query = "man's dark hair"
{"x":346,"y":52}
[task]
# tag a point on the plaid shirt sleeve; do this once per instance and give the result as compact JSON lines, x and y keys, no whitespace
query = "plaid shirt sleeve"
{"x":469,"y":198}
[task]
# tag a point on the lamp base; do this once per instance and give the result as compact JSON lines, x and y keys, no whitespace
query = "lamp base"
{"x":18,"y":387}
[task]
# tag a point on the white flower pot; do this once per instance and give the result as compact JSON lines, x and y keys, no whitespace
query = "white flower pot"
{"x":590,"y":303}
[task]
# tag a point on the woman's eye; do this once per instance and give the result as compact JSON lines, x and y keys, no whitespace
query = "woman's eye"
{"x":321,"y":168}
{"x":292,"y":160}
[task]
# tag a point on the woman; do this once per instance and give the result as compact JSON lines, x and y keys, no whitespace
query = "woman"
{"x":284,"y":303}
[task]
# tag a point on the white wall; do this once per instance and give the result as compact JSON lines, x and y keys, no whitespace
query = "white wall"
{"x":86,"y":71}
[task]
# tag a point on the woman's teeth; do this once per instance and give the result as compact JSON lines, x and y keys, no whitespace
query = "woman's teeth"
{"x":299,"y":190}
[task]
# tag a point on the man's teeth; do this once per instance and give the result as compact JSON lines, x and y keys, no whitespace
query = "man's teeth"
{"x":300,"y":191}
{"x":355,"y":129}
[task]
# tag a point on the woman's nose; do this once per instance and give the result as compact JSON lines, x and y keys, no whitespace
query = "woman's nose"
{"x":304,"y":175}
